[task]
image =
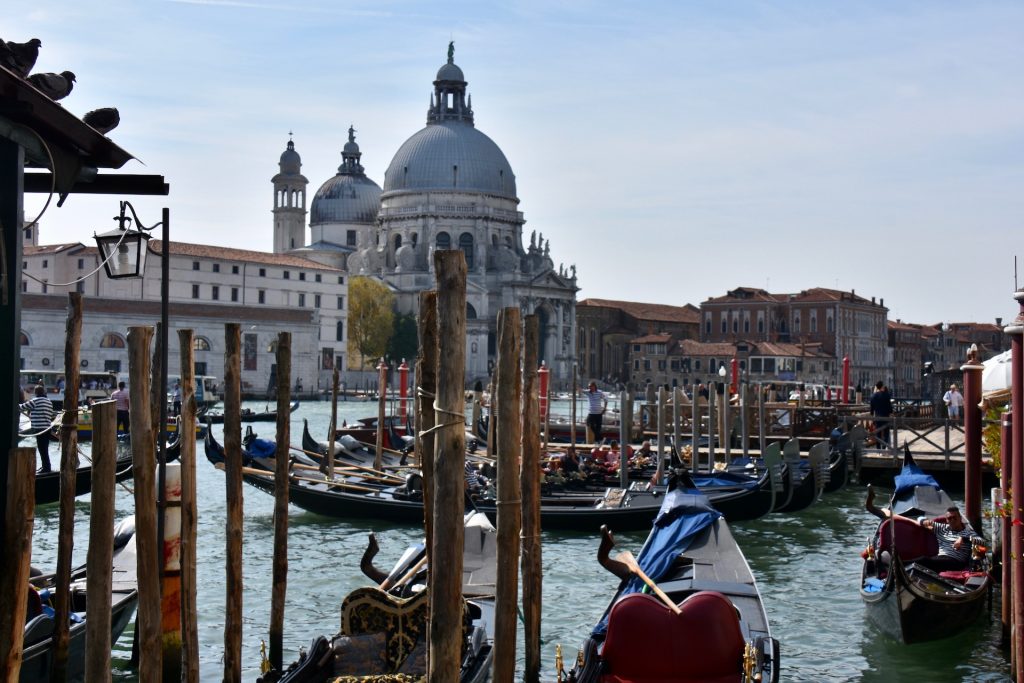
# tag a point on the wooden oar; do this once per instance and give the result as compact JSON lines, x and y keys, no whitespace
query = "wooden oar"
{"x":627,"y":559}
{"x":380,"y":476}
{"x":268,"y":474}
{"x":349,"y":464}
{"x":386,"y":585}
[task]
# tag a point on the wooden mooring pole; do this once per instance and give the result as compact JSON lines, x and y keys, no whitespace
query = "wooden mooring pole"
{"x":189,"y":518}
{"x":332,"y":431}
{"x":530,"y":486}
{"x":100,"y":554}
{"x":68,"y":478}
{"x":1005,"y":462}
{"x":148,"y":550}
{"x":279,"y":581}
{"x":233,"y":485}
{"x":426,"y":378}
{"x":16,"y":558}
{"x":509,"y":503}
{"x":446,"y":547}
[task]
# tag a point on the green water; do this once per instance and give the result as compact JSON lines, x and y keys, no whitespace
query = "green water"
{"x":807,"y":566}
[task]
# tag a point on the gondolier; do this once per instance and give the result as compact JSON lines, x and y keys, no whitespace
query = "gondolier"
{"x":40,"y":411}
{"x":598,"y":403}
{"x":122,"y":404}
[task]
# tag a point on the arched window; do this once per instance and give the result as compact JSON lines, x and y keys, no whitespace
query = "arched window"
{"x":24,"y":340}
{"x":200,"y":344}
{"x":444,"y":240}
{"x":470,"y":311}
{"x":466,"y":245}
{"x":398,"y":242}
{"x":414,"y":238}
{"x":112,"y":340}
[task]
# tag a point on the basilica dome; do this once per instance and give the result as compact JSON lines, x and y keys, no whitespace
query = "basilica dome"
{"x":348,"y":197}
{"x":452,"y":156}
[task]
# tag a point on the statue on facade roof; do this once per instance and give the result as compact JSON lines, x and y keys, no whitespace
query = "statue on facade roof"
{"x":572,"y":269}
{"x":533,"y":239}
{"x":351,"y":133}
{"x":451,"y":51}
{"x":547,"y":248}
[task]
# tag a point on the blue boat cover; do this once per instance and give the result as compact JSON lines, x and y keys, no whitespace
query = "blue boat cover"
{"x":262,"y":448}
{"x":741,"y":481}
{"x":683,"y":514}
{"x":910,"y":476}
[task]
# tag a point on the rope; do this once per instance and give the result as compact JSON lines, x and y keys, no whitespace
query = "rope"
{"x":460,"y":422}
{"x":517,"y":501}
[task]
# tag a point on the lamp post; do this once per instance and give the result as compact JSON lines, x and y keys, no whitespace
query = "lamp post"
{"x":123,"y":254}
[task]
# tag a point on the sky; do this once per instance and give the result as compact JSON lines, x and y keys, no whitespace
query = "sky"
{"x":672,"y":151}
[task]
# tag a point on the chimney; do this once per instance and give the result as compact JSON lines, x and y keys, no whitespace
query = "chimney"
{"x":872,"y":301}
{"x":881,"y":302}
{"x":999,"y":322}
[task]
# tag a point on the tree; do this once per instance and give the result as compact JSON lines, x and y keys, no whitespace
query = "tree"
{"x":370,"y":318}
{"x":404,"y":341}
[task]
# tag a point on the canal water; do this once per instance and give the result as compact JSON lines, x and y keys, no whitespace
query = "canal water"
{"x":807,"y":566}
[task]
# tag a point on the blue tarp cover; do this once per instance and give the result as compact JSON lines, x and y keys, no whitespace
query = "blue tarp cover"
{"x":725,"y":479}
{"x":910,"y":476}
{"x":683,"y":514}
{"x":262,"y":448}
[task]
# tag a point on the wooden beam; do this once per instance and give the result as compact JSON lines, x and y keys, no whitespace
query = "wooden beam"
{"x":110,"y":183}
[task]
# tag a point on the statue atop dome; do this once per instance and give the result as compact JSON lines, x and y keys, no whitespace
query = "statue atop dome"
{"x":451,"y":52}
{"x":351,"y":133}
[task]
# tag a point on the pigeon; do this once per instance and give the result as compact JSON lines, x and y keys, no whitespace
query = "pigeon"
{"x":20,"y":57}
{"x":54,"y":86}
{"x":103,"y":120}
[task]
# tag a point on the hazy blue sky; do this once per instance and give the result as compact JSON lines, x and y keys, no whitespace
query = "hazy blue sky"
{"x":671,"y":150}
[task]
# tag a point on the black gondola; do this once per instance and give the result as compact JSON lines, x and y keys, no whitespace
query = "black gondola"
{"x":720,"y":631}
{"x":905,"y":599}
{"x":390,"y":619}
{"x":845,"y":450}
{"x":37,"y":657}
{"x":248,"y":415}
{"x":346,"y":449}
{"x":626,"y":509}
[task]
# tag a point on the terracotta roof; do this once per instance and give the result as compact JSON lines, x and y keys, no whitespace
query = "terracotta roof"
{"x":692,"y":347}
{"x":900,"y":325}
{"x":745,"y":294}
{"x":789,"y":350}
{"x":643,"y":311}
{"x":652,"y":339}
{"x":826,"y":294}
{"x":30,"y":250}
{"x":231,"y":254}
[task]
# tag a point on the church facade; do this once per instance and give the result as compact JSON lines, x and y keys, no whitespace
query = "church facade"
{"x":449,"y":186}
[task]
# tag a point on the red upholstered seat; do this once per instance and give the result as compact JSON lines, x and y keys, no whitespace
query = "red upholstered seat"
{"x":647,"y":643}
{"x":912,"y":540}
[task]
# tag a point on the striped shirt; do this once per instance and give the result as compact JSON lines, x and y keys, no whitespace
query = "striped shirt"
{"x":121,"y":400}
{"x":946,"y":537}
{"x":40,"y":411}
{"x":596,"y":402}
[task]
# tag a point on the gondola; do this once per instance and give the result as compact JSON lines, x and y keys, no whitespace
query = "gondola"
{"x":808,"y":477}
{"x":630,"y":509}
{"x":248,"y":415}
{"x":48,"y":483}
{"x":843,"y":448}
{"x":904,"y":599}
{"x":397,"y":433}
{"x":720,"y":632}
{"x":390,"y":619}
{"x":37,"y":657}
{"x":346,"y":449}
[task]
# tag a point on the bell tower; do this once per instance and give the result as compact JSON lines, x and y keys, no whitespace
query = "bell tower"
{"x":289,"y":202}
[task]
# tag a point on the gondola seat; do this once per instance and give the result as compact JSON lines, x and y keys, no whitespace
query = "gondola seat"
{"x":647,"y":643}
{"x":912,"y":540}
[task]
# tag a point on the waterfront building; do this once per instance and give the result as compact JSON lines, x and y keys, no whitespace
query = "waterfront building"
{"x":209,"y":286}
{"x":449,"y":186}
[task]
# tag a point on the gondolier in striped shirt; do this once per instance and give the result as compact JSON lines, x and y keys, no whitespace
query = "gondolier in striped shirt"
{"x":597,"y":404}
{"x":40,"y":410}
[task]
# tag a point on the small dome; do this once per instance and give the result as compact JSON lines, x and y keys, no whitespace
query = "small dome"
{"x":345,"y":199}
{"x":351,"y":148}
{"x":452,"y":156}
{"x":450,"y":72}
{"x":290,"y":161}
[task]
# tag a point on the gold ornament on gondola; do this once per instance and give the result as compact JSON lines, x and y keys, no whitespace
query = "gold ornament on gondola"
{"x":749,"y":663}
{"x":264,"y":662}
{"x":559,"y":668}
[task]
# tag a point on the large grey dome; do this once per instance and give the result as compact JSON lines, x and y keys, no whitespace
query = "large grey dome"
{"x":451,"y":155}
{"x":345,"y":199}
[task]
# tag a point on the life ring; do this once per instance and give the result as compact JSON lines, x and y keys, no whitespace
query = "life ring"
{"x":85,"y":363}
{"x":46,"y":361}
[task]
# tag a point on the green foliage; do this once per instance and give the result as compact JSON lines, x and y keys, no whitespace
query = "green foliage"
{"x":991,"y":434}
{"x":370,"y":318}
{"x":404,"y":338}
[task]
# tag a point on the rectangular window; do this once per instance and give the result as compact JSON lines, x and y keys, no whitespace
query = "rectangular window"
{"x":302,"y":276}
{"x":287,"y":275}
{"x":111,"y":366}
{"x":215,"y":293}
{"x":195,"y":291}
{"x":195,"y":265}
{"x":341,"y":280}
{"x":81,"y":264}
{"x":318,"y":277}
{"x":350,"y":238}
{"x":316,"y":301}
{"x":262,"y":296}
{"x":263,"y":272}
{"x":234,"y":293}
{"x":234,"y":270}
{"x":249,"y":352}
{"x":636,"y":364}
{"x":647,"y":363}
{"x":755,"y":365}
{"x":302,"y":300}
{"x":216,"y":267}
{"x":341,"y":302}
{"x":661,"y":364}
{"x":46,"y":263}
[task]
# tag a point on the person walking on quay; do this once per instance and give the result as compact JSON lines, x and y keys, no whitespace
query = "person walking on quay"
{"x":122,"y":405}
{"x":881,"y":408}
{"x":176,"y":399}
{"x":40,"y":411}
{"x":954,"y":401}
{"x":597,"y":403}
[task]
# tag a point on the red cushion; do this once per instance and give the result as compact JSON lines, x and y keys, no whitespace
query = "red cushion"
{"x":647,"y":643}
{"x":912,"y":540}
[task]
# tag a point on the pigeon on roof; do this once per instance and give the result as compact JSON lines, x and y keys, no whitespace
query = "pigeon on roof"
{"x":54,"y":86}
{"x":103,"y":120}
{"x":20,"y":57}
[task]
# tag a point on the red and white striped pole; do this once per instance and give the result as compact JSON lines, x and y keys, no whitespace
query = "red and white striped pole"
{"x":544,"y":375}
{"x":403,"y":389}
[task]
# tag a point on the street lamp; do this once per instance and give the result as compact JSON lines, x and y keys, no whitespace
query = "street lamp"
{"x":123,"y":253}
